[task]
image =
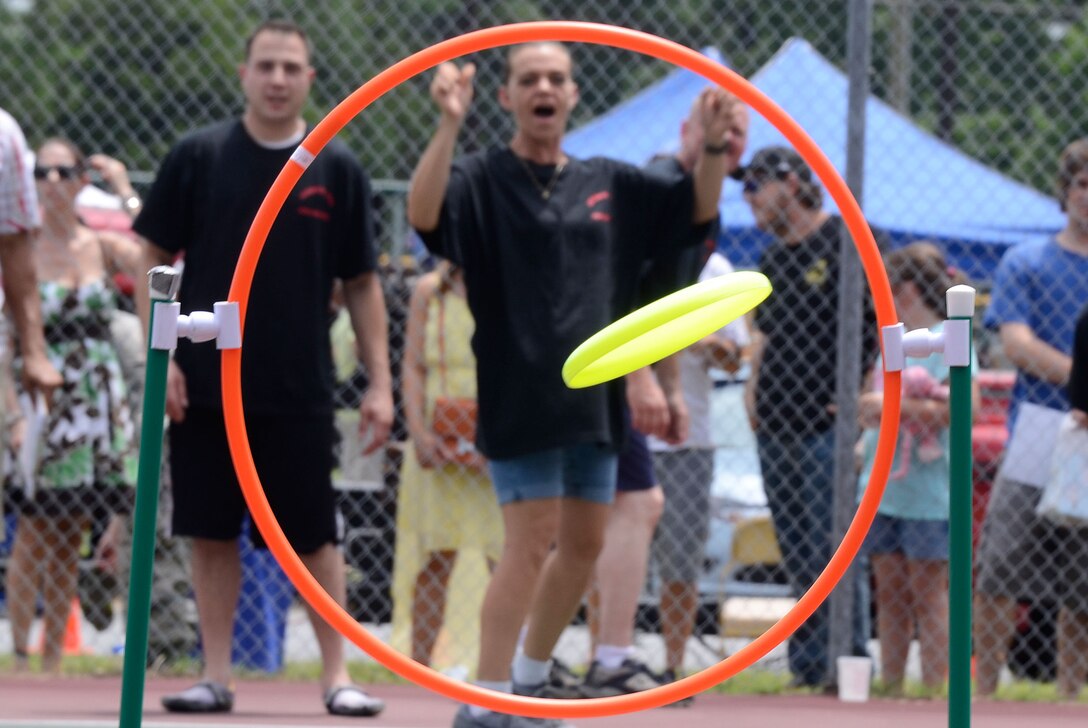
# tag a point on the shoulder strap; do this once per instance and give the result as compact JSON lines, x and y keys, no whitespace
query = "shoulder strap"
{"x":442,"y":342}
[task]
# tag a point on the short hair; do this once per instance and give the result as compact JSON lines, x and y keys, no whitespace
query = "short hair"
{"x":1073,"y":161}
{"x":508,"y":67}
{"x":277,"y":25}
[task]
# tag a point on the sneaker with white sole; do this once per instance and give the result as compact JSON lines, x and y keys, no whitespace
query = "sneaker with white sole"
{"x":630,"y":677}
{"x":562,"y":683}
{"x":465,"y":719}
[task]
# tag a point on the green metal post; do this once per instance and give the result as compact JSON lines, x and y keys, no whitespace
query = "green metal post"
{"x":960,"y":523}
{"x":163,"y":282}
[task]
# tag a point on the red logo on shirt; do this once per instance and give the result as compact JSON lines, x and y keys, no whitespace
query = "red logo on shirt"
{"x":596,"y":199}
{"x":316,"y":202}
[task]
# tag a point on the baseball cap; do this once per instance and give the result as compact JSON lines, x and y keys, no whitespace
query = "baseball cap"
{"x":774,"y":161}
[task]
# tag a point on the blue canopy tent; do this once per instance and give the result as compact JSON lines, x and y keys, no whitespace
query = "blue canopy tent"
{"x":916,"y":186}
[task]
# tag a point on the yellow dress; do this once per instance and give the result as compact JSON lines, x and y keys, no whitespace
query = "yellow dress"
{"x":446,"y":509}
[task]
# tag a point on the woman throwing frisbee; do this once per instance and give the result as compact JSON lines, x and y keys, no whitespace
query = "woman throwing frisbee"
{"x":552,"y":248}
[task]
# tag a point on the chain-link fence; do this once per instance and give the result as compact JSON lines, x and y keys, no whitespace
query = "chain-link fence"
{"x":971,"y":105}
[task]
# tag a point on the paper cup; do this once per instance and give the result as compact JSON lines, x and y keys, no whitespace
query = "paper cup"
{"x":854,"y":675}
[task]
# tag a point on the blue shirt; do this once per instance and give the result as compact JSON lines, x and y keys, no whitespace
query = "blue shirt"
{"x":1044,"y":286}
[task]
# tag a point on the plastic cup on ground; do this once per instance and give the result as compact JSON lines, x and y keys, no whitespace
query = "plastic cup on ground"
{"x":854,"y":676}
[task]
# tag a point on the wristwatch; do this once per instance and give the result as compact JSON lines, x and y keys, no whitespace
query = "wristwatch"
{"x":132,"y":203}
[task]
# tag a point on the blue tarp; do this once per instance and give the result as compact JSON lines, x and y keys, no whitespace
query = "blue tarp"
{"x":916,"y":186}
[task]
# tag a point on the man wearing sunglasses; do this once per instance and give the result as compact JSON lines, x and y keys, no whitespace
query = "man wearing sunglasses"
{"x":19,"y":218}
{"x":790,"y":396}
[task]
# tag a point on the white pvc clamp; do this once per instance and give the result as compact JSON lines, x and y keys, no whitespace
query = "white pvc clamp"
{"x":954,"y":342}
{"x":230,"y":325}
{"x":224,"y":325}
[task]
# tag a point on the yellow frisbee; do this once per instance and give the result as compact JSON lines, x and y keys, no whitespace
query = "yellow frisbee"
{"x":664,"y":327}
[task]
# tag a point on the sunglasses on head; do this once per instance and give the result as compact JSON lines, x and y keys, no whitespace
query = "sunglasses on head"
{"x":65,"y":172}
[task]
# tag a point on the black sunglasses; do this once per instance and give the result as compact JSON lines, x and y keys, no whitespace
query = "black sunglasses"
{"x":63,"y":171}
{"x":752,"y":184}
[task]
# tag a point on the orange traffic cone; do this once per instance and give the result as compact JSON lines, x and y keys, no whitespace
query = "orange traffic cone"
{"x":73,"y":632}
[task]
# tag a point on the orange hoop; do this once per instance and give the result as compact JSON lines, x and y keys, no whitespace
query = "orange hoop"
{"x":263,"y":517}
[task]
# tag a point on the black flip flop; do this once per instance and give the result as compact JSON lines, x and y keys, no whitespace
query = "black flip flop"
{"x":367,"y":706}
{"x":204,"y":697}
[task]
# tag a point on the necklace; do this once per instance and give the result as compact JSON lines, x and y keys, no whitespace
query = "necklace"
{"x":544,"y":190}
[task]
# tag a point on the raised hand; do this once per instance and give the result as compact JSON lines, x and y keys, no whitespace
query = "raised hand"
{"x":716,"y":111}
{"x":452,"y":89}
{"x":113,"y":171}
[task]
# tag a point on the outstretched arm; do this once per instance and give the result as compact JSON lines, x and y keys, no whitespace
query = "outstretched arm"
{"x":452,"y":92}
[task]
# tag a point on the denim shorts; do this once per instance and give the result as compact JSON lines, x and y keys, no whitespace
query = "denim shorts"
{"x":914,"y":538}
{"x":586,"y":471}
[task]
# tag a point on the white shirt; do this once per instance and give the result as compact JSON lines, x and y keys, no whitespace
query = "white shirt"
{"x":18,"y":196}
{"x":19,"y":210}
{"x":695,"y":381}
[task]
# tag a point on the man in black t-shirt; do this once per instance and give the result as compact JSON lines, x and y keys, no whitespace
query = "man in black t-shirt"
{"x":658,"y":408}
{"x":205,"y":196}
{"x":552,"y":248}
{"x":790,"y":396}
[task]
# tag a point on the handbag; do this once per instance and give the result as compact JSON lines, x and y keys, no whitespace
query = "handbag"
{"x":454,"y":419}
{"x":1065,"y":492}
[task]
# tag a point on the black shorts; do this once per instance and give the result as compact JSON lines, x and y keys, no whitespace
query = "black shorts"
{"x":294,"y":459}
{"x":636,"y":465}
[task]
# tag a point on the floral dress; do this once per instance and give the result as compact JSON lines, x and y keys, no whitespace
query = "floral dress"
{"x":87,"y":451}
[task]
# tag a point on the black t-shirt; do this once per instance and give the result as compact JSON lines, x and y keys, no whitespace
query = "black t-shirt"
{"x":1078,"y":376}
{"x":544,"y":275}
{"x":800,"y":323}
{"x":202,"y":203}
{"x":676,"y":268}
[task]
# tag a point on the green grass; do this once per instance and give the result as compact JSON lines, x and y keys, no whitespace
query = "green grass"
{"x":1027,"y":691}
{"x":111,"y":666}
{"x":755,"y":682}
{"x":71,"y":666}
{"x":749,"y":682}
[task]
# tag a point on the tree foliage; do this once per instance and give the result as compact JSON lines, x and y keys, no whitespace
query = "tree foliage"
{"x":1004,"y":82}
